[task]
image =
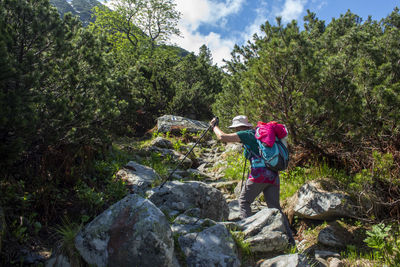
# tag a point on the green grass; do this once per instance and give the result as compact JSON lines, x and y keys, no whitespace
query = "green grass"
{"x":353,"y":257}
{"x":66,"y":234}
{"x":242,"y":246}
{"x":235,"y":165}
{"x":291,"y":181}
{"x":160,"y":164}
{"x":181,"y":257}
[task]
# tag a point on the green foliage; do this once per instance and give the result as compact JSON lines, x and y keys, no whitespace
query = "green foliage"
{"x":19,"y":231}
{"x":66,"y":233}
{"x":291,"y":181}
{"x":196,"y":83}
{"x":115,"y":190}
{"x":352,"y":254}
{"x":242,"y":246}
{"x":369,"y":187}
{"x":89,"y":197}
{"x":334,"y":86}
{"x":386,"y":243}
{"x":235,"y":166}
{"x":152,"y":19}
{"x":179,"y":252}
{"x":59,"y":94}
{"x":291,"y":250}
{"x":184,"y":133}
{"x":178,"y":144}
{"x":160,"y":164}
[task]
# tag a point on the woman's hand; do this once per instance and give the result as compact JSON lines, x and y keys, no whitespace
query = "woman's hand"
{"x":214,"y":122}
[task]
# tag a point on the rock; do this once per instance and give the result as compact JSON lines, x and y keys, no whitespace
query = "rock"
{"x":226,"y":187}
{"x":132,"y":232}
{"x":30,"y":257}
{"x":162,"y":143}
{"x":58,"y":261}
{"x":332,"y":236}
{"x":234,"y":147}
{"x":302,"y":245}
{"x":291,"y":260}
{"x":195,"y":173}
{"x":320,"y":262}
{"x":314,"y":203}
{"x":139,"y":178}
{"x":239,"y":187}
{"x":211,"y":143}
{"x":265,"y":231}
{"x":209,"y":200}
{"x":335,"y":262}
{"x":324,"y":254}
{"x":234,"y":212}
{"x":204,"y":166}
{"x":213,"y":246}
{"x":171,"y":123}
{"x":184,"y":224}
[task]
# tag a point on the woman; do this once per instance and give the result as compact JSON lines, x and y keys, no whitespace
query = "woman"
{"x":260,"y":179}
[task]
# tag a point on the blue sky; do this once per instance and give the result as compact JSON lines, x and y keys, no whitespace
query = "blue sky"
{"x":220,"y":24}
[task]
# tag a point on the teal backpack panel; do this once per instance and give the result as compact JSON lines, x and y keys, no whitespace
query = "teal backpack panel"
{"x":276,"y":157}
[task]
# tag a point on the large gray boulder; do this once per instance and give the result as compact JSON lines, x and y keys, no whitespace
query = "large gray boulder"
{"x":312,"y":202}
{"x":138,"y":178}
{"x":213,"y":246}
{"x":177,"y":197}
{"x":132,"y":232}
{"x":171,"y":123}
{"x":291,"y":260}
{"x":265,"y":231}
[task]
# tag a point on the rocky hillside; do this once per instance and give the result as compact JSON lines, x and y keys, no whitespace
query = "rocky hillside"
{"x":193,"y":220}
{"x":81,"y":8}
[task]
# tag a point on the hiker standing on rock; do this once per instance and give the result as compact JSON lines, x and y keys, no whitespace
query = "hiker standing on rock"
{"x":260,"y":179}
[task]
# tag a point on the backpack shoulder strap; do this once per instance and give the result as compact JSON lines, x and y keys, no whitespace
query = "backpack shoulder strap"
{"x":250,"y":153}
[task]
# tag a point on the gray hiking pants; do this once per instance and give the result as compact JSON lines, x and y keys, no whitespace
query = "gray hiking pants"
{"x":271,"y":196}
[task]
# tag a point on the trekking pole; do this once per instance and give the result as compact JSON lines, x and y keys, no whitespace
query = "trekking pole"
{"x":244,"y":170}
{"x":170,"y":175}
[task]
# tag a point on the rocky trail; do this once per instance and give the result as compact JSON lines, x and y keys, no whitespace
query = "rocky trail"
{"x":193,"y":219}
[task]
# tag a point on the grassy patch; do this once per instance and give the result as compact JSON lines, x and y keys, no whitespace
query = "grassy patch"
{"x":159,"y":163}
{"x":291,"y":181}
{"x":352,"y":256}
{"x":243,"y":247}
{"x":66,"y":234}
{"x":180,"y":255}
{"x":234,"y":166}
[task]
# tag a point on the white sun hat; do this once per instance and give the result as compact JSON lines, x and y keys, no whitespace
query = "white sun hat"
{"x":240,"y":120}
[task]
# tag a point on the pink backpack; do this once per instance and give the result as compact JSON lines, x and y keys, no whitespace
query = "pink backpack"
{"x":268,"y":132}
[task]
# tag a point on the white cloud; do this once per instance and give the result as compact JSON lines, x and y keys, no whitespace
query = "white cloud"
{"x":205,"y":12}
{"x":260,"y":18}
{"x":319,"y":4}
{"x":220,"y":48}
{"x":198,"y":12}
{"x":292,"y":9}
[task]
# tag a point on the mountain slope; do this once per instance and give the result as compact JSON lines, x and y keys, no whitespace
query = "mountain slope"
{"x":81,"y":8}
